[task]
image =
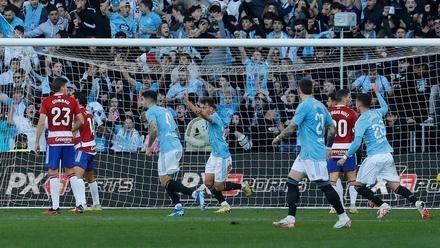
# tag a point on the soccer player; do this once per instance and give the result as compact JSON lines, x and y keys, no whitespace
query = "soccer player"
{"x":163,"y":126}
{"x":313,"y":121}
{"x":344,"y":119}
{"x":216,"y":170}
{"x":60,"y":109}
{"x":85,"y":146}
{"x":379,"y":161}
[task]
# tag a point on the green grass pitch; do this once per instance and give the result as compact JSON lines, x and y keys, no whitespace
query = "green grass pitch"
{"x":240,"y":228}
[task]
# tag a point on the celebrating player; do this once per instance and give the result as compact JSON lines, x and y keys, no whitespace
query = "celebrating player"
{"x":162,"y":125}
{"x":313,"y":121}
{"x":216,"y":171}
{"x":344,"y":119}
{"x":60,"y":109}
{"x":379,"y":161}
{"x":86,"y":150}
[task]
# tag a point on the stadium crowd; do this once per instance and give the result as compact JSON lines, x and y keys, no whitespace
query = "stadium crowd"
{"x":255,"y":89}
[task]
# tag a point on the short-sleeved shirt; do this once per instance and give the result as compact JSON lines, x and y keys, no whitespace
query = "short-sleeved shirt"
{"x":216,"y":138}
{"x":119,"y":23}
{"x":365,"y":85}
{"x":60,"y":111}
{"x":167,"y":128}
{"x":253,"y":71}
{"x":312,"y":117}
{"x":371,"y":126}
{"x":151,"y":21}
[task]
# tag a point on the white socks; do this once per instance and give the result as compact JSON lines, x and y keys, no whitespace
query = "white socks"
{"x":178,"y":206}
{"x":94,"y":192}
{"x":79,"y":190}
{"x":339,"y":190}
{"x":55,"y":192}
{"x":224,"y":204}
{"x":290,"y":218}
{"x":353,"y":195}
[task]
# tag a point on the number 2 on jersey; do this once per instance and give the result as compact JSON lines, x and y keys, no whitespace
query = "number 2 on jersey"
{"x":320,"y":127}
{"x":60,"y":116}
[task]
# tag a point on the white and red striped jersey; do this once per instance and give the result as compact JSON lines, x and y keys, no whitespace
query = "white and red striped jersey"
{"x":60,"y":111}
{"x":344,"y":119}
{"x":85,"y":137}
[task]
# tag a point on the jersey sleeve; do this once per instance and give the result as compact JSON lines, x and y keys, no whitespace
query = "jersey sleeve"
{"x":328,"y":118}
{"x":215,"y":119}
{"x":76,"y":109}
{"x":300,"y":114}
{"x":43,"y":108}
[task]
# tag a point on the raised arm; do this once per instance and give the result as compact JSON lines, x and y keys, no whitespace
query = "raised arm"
{"x":243,"y":55}
{"x":195,"y":109}
{"x":383,"y":104}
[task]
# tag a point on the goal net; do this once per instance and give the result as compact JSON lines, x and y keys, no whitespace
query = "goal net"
{"x":256,"y":92}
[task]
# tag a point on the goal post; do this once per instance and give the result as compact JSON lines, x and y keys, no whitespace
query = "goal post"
{"x":254,"y":82}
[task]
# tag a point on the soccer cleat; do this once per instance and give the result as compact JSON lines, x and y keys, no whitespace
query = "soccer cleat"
{"x":284,"y":223}
{"x":420,"y":205}
{"x":200,"y":199}
{"x":223,"y":210}
{"x":51,"y":211}
{"x":332,"y":211}
{"x":95,"y":207}
{"x":353,"y":209}
{"x":246,"y":189}
{"x":78,"y":210}
{"x":344,"y":223}
{"x":177,"y":212}
{"x":383,"y":210}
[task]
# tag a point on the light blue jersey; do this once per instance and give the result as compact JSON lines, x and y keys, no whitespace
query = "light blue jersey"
{"x":370,"y":126}
{"x":312,"y":117}
{"x":167,"y":128}
{"x":118,"y":23}
{"x":150,"y":21}
{"x":215,"y":137}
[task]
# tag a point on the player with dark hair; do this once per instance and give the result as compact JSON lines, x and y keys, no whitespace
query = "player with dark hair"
{"x":379,"y":161}
{"x":313,"y":122}
{"x":344,"y":119}
{"x":60,"y":111}
{"x":85,"y":146}
{"x":161,"y":124}
{"x":216,"y":170}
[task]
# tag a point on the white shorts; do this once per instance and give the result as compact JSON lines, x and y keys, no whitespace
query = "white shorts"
{"x":218,"y":167}
{"x":378,"y":165}
{"x":168,"y":163}
{"x":314,"y":170}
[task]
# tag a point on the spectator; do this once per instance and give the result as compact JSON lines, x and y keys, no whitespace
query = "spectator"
{"x":51,"y":27}
{"x":265,"y":130}
{"x":26,"y":125}
{"x":6,"y":78}
{"x":8,"y":22}
{"x":257,"y":72}
{"x":33,"y":14}
{"x":183,"y":85}
{"x":182,"y":121}
{"x":364,"y":82}
{"x":149,"y":21}
{"x":102,"y":20}
{"x":8,"y":131}
{"x":102,"y":139}
{"x":26,"y":54}
{"x":238,"y":135}
{"x":226,"y":109}
{"x":82,"y":21}
{"x":122,"y":21}
{"x":127,"y":139}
